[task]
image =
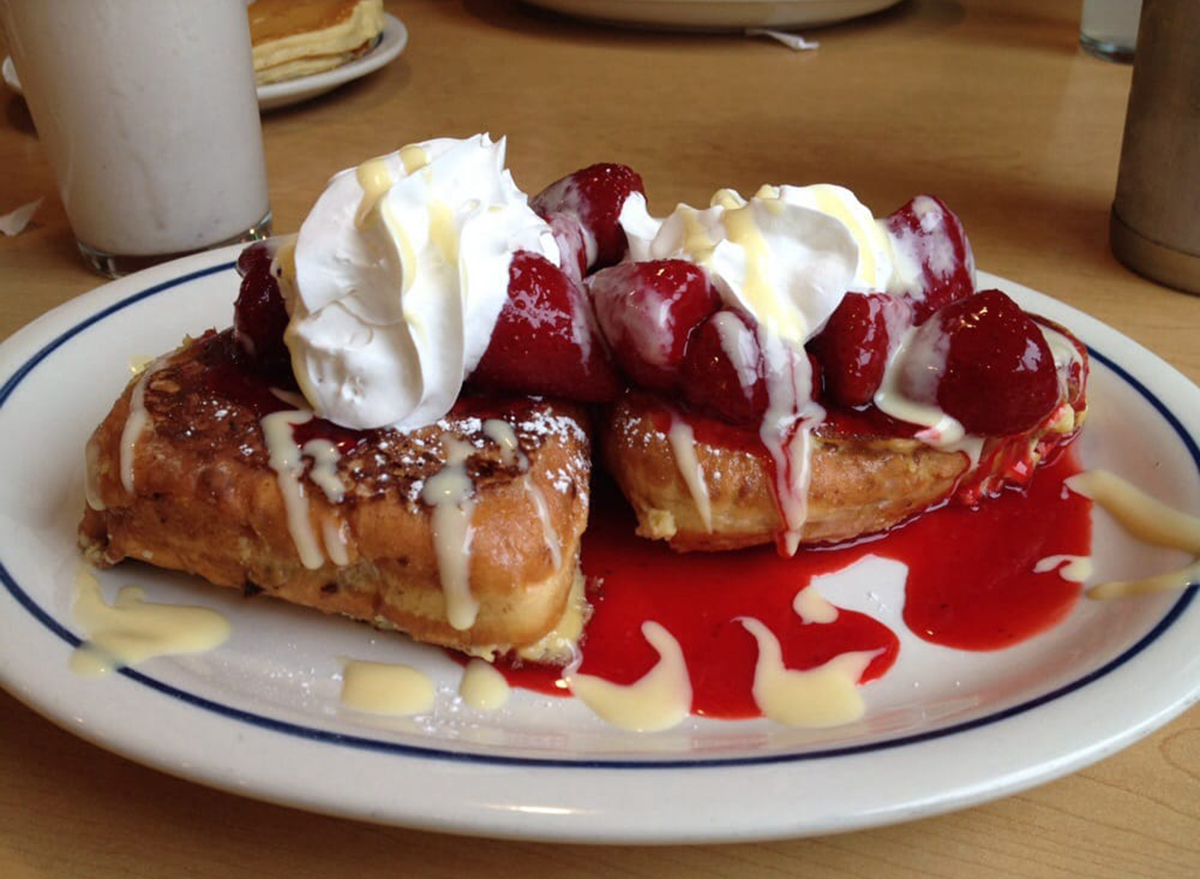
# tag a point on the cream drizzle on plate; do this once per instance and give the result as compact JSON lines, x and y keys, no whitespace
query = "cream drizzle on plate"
{"x":659,"y":700}
{"x":813,"y":607}
{"x":385,"y":688}
{"x":1075,"y":568}
{"x":1148,"y":520}
{"x":483,"y":687}
{"x":824,"y":696}
{"x":132,"y":630}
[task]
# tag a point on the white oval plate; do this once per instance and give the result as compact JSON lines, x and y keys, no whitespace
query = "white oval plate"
{"x":260,"y":715}
{"x":716,"y":14}
{"x":391,"y":43}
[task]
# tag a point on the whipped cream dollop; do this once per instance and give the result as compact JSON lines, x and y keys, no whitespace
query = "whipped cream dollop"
{"x":786,"y":256}
{"x":397,"y":277}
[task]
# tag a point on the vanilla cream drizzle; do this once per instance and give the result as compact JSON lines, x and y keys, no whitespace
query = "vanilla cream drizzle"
{"x":1075,"y":568}
{"x":132,"y":630}
{"x":1148,"y":520}
{"x":755,"y":274}
{"x":767,"y":305}
{"x":813,"y":607}
{"x":786,"y":431}
{"x":287,"y":460}
{"x":1064,"y":352}
{"x":333,"y":535}
{"x":502,"y":434}
{"x":138,"y":364}
{"x":824,"y":696}
{"x":483,"y":687}
{"x":730,"y":331}
{"x":659,"y":700}
{"x":135,"y":423}
{"x":442,"y":231}
{"x":325,"y":456}
{"x":697,"y":243}
{"x":414,"y":157}
{"x":940,"y":430}
{"x":791,"y":412}
{"x":1142,"y":516}
{"x":375,"y":179}
{"x":943,"y":431}
{"x":683,"y":445}
{"x":450,"y":493}
{"x":386,"y":688}
{"x":1186,"y":576}
{"x":542,"y":508}
{"x":408,"y":268}
{"x":91,"y":477}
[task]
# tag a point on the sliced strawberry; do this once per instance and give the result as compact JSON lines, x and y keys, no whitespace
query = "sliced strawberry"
{"x":646,"y":311}
{"x":929,"y":235}
{"x":722,"y":370}
{"x":259,"y":315}
{"x":545,"y":340}
{"x":985,"y":362}
{"x":854,"y":345}
{"x":595,"y":195}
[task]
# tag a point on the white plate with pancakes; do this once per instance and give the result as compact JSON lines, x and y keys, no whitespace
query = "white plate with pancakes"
{"x":261,"y":716}
{"x":390,"y":44}
{"x":716,"y":15}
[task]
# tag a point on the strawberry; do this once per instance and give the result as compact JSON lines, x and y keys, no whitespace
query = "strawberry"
{"x":259,"y":315}
{"x":254,"y":256}
{"x":986,"y":363}
{"x":722,"y":369}
{"x":572,"y":245}
{"x":646,"y":311}
{"x":930,"y":235}
{"x":545,"y":340}
{"x":595,"y":196}
{"x":854,"y":345}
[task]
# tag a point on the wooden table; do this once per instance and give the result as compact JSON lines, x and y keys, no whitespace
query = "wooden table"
{"x":987,"y":103}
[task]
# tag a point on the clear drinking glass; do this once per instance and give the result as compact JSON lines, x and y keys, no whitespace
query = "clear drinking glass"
{"x":148,"y":114}
{"x":1109,"y":28}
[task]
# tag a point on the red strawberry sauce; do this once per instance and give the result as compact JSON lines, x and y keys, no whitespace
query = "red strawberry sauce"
{"x":970,"y":583}
{"x":970,"y":586}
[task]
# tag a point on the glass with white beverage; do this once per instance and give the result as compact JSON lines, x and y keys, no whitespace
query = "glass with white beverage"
{"x":1108,"y":29}
{"x":148,"y":114}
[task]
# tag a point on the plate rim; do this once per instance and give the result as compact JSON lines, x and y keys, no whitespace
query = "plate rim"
{"x":713,"y":15}
{"x":109,"y":299}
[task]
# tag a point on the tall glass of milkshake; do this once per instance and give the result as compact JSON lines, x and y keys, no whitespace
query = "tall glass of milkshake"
{"x":148,"y":114}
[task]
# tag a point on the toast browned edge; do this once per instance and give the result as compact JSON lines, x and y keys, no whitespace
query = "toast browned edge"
{"x":206,"y":501}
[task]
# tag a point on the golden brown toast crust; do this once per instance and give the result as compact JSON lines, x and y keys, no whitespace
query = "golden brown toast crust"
{"x":207,"y":501}
{"x":860,"y":485}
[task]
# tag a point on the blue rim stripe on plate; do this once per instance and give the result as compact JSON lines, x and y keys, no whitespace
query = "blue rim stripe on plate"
{"x":377,"y":745}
